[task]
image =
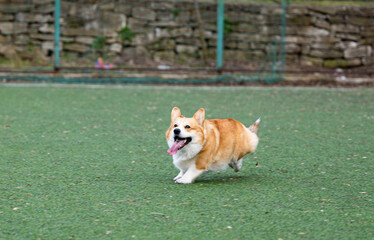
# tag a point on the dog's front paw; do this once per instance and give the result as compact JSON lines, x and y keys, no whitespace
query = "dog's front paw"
{"x":176,"y":178}
{"x":180,"y":175}
{"x":183,"y":181}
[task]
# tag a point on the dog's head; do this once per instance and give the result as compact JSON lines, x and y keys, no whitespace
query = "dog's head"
{"x":185,"y":136}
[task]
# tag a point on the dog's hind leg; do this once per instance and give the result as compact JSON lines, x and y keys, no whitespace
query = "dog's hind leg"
{"x":236,"y":164}
{"x":240,"y":164}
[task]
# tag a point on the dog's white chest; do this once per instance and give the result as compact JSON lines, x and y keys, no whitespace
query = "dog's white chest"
{"x":182,"y":163}
{"x":187,"y":152}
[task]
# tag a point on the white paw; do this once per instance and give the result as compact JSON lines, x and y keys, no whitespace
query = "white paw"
{"x":178,"y":176}
{"x":183,"y":181}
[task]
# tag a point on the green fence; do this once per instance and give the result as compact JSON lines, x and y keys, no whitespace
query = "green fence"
{"x":151,"y":41}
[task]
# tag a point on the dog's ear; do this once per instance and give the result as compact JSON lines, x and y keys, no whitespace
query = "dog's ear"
{"x":200,"y":116}
{"x":175,"y":113}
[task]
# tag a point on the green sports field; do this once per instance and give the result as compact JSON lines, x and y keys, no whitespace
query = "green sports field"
{"x":91,"y":163}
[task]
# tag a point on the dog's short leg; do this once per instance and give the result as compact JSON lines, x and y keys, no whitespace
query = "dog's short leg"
{"x":179,"y":175}
{"x":240,"y":164}
{"x":190,"y":176}
{"x":236,"y":164}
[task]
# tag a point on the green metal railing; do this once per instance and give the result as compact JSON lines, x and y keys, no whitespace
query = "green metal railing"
{"x":267,"y":68}
{"x":220,"y":21}
{"x":220,"y":30}
{"x":56,"y":54}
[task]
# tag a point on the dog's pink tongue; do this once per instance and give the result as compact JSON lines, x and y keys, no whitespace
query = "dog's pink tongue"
{"x":174,"y":149}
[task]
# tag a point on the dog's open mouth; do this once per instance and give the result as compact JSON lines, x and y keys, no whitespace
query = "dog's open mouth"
{"x":178,"y":144}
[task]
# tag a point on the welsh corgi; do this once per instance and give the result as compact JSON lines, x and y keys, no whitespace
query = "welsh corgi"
{"x":199,"y":145}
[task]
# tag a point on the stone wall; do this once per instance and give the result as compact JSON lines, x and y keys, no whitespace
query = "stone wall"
{"x":158,"y":30}
{"x":331,"y":36}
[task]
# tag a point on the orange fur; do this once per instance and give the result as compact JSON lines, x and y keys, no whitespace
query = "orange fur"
{"x":217,"y":143}
{"x":226,"y":139}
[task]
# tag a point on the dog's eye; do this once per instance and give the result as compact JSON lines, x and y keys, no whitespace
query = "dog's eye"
{"x":175,"y":125}
{"x":187,"y":126}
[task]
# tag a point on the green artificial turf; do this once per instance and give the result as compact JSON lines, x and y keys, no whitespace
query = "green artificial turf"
{"x":79,"y":163}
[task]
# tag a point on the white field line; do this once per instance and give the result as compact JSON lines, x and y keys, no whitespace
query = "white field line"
{"x":166,"y":87}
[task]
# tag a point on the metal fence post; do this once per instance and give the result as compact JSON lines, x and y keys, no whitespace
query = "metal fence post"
{"x":220,"y":26}
{"x":283,"y":36}
{"x":56,"y":53}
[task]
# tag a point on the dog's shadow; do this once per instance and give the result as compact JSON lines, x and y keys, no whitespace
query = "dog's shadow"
{"x":216,"y":178}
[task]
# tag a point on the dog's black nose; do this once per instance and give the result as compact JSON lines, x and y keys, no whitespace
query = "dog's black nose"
{"x":177,"y":131}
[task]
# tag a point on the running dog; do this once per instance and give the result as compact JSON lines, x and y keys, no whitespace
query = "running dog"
{"x":198,"y":144}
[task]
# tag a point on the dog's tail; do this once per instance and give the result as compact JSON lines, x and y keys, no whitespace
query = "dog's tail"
{"x":254,"y":127}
